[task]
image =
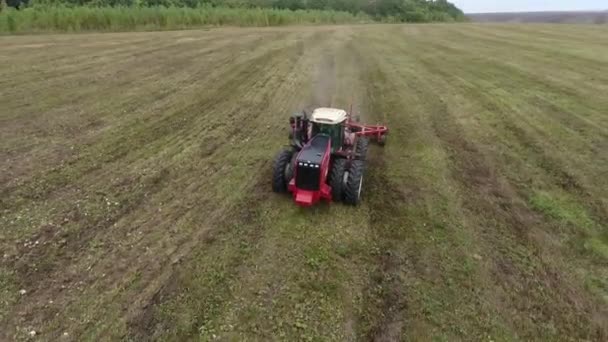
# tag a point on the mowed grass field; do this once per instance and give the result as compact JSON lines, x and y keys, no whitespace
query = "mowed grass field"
{"x":136,"y":200}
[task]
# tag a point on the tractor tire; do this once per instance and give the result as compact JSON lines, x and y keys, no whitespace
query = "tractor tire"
{"x":361,"y":148}
{"x":290,"y":171}
{"x":281,"y":170}
{"x":336,"y":179}
{"x":354,"y":183}
{"x":382,"y":139}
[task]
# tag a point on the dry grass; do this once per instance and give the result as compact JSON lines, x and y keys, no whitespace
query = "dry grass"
{"x":136,"y":201}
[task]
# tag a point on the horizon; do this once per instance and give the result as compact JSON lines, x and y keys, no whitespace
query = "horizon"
{"x":519,"y":6}
{"x":541,"y":11}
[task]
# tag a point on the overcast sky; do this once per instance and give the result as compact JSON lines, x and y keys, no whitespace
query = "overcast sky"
{"x":475,"y":6}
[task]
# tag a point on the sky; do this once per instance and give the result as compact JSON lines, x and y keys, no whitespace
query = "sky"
{"x":478,"y":6}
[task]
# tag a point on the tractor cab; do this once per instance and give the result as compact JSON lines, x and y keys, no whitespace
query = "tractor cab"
{"x":329,"y":121}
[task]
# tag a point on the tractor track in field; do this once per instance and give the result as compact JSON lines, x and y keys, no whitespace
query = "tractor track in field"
{"x":67,"y":247}
{"x":560,"y":176}
{"x":385,"y":297}
{"x":495,"y":198}
{"x":147,"y":323}
{"x":475,"y":172}
{"x":71,"y":242}
{"x":563,"y":175}
{"x":144,"y":324}
{"x":508,"y":224}
{"x":161,"y":127}
{"x":137,"y":204}
{"x":165,"y":125}
{"x":324,"y":85}
{"x":385,"y":292}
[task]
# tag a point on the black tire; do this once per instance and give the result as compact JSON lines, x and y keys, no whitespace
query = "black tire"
{"x":354,"y":183}
{"x":382,"y":139}
{"x":280,"y":171}
{"x":336,"y":179}
{"x":361,"y":147}
{"x":289,"y":172}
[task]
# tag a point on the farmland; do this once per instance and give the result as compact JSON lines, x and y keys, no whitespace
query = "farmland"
{"x":136,"y":203}
{"x":573,"y":17}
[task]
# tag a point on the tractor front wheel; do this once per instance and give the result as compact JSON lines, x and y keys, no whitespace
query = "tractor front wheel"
{"x":361,"y":147}
{"x":336,"y":179}
{"x":354,"y":183}
{"x":281,"y":171}
{"x":382,"y":139}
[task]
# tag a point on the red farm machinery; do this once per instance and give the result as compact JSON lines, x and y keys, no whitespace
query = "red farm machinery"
{"x":326,"y":157}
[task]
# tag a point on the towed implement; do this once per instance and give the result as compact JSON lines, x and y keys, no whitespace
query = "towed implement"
{"x":326,"y":157}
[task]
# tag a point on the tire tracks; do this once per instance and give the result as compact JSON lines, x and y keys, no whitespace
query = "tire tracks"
{"x":243,"y":227}
{"x":385,"y":298}
{"x":75,"y":245}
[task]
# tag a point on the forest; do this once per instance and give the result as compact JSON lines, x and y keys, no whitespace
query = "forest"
{"x":379,"y":10}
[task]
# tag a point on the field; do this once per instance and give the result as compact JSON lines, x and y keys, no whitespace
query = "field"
{"x":572,"y":17}
{"x":136,"y":203}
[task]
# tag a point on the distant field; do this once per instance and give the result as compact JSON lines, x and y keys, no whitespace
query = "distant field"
{"x":590,"y":17}
{"x":136,"y":203}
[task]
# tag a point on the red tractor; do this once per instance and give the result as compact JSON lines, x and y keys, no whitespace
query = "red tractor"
{"x":326,"y":159}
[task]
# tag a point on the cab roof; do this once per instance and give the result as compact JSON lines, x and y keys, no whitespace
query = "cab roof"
{"x":328,"y":115}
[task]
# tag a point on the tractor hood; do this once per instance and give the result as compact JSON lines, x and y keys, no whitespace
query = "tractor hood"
{"x":309,"y":163}
{"x":313,"y":152}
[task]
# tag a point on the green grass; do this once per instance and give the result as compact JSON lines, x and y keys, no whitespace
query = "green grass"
{"x":564,"y":210}
{"x":569,"y":212}
{"x":8,"y":291}
{"x":142,"y":168}
{"x":83,"y":19}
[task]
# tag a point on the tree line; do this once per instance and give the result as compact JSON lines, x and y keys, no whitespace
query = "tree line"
{"x":394,"y":10}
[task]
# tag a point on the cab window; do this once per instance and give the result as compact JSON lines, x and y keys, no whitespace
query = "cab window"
{"x":334,"y":131}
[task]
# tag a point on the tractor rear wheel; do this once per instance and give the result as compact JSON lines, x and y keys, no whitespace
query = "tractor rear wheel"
{"x":361,"y":147}
{"x":336,"y":179}
{"x":281,"y":171}
{"x":354,"y":183}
